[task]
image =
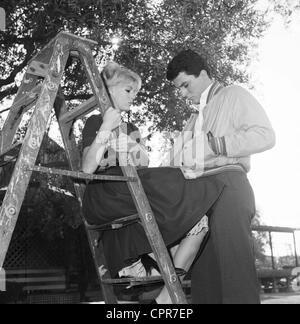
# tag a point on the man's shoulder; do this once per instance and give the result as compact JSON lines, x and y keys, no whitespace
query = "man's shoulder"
{"x":234,"y":89}
{"x":234,"y":92}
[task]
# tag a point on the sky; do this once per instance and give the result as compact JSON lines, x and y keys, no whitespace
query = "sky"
{"x":275,"y":175}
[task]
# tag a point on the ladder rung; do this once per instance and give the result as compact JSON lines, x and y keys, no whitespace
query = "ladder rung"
{"x":38,"y":68}
{"x":27,"y":100}
{"x":24,"y":102}
{"x":13,"y":147}
{"x":10,"y":154}
{"x":6,"y":162}
{"x":119,"y":223}
{"x":80,"y":175}
{"x":186,"y":284}
{"x":75,"y":54}
{"x":76,"y":113}
{"x":133,"y":281}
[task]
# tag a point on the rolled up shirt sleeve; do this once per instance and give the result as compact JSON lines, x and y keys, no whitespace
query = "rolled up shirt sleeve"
{"x":252,"y":132}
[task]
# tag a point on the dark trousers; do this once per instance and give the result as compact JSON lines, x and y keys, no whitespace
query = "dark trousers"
{"x":224,"y":272}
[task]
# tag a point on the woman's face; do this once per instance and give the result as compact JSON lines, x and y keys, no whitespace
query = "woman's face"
{"x":123,"y":95}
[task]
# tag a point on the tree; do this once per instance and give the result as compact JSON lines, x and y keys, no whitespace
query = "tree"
{"x":260,"y":240}
{"x":287,"y":9}
{"x":150,"y":32}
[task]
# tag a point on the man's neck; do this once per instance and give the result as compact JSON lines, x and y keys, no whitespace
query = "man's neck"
{"x":207,"y":84}
{"x":205,"y":93}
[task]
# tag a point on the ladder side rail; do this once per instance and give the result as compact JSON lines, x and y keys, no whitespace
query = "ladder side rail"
{"x":27,"y":87}
{"x":154,"y":236}
{"x":28,"y":154}
{"x":16,"y":112}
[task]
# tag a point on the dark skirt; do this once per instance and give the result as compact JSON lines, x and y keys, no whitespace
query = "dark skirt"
{"x":178,"y":205}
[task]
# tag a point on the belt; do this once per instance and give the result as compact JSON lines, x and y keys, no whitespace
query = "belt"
{"x":225,"y":168}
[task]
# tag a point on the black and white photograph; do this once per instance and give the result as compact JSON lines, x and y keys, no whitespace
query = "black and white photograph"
{"x":149,"y":154}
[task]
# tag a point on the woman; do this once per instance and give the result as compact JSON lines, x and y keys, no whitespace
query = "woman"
{"x":178,"y":205}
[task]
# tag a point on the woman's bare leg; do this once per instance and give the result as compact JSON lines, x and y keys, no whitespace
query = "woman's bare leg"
{"x":185,"y":254}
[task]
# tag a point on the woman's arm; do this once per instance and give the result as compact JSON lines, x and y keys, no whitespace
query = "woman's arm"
{"x":93,"y":154}
{"x":125,"y":144}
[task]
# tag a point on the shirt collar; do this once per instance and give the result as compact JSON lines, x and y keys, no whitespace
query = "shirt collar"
{"x":204,"y":97}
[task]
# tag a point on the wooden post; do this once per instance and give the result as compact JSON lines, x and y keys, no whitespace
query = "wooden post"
{"x":272,"y":252}
{"x":295,"y":249}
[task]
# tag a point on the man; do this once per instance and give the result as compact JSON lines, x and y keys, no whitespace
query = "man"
{"x":235,"y":127}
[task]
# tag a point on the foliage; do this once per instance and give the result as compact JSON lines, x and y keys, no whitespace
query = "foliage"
{"x":51,"y":199}
{"x":151,"y":33}
{"x":50,"y":212}
{"x":260,"y":240}
{"x":287,"y":9}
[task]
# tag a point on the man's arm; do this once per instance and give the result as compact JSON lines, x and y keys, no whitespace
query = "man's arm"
{"x":252,"y":132}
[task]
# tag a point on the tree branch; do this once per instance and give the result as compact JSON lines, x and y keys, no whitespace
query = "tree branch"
{"x":8,"y":92}
{"x":29,"y":46}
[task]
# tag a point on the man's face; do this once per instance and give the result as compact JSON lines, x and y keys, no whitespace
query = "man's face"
{"x":190,"y":87}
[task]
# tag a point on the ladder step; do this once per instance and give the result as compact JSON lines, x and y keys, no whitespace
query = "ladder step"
{"x":83,"y":109}
{"x":9,"y":155}
{"x":119,"y":223}
{"x":186,"y":284}
{"x":38,"y":68}
{"x":80,"y":175}
{"x":28,"y":99}
{"x":133,"y":281}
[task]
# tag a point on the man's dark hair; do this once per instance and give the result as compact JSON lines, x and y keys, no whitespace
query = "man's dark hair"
{"x":189,"y":62}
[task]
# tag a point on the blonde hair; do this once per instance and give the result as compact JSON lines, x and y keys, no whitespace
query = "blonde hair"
{"x":115,"y":73}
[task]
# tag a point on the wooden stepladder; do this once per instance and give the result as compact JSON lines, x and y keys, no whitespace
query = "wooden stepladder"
{"x":49,"y":66}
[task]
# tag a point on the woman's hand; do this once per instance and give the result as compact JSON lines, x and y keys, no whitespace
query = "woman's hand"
{"x":123,"y":144}
{"x":111,"y":119}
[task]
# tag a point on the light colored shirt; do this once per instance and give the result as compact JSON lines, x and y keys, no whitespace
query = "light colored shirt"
{"x":203,"y":98}
{"x":235,"y":114}
{"x":232,"y":113}
{"x":193,"y":151}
